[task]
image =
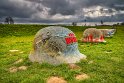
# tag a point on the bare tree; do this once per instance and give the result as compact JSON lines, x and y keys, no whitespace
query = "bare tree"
{"x":0,"y":21}
{"x":9,"y":20}
{"x":102,"y":22}
{"x":74,"y":23}
{"x":6,"y":21}
{"x":85,"y":21}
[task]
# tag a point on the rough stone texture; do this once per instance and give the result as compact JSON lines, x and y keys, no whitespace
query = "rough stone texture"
{"x":55,"y":45}
{"x":93,"y":35}
{"x":108,"y":32}
{"x":95,"y":32}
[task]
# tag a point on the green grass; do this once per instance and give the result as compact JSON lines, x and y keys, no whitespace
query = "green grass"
{"x":107,"y":58}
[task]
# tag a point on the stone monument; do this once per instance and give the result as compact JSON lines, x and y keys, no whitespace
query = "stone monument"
{"x":108,"y":32}
{"x":93,"y":35}
{"x":55,"y":45}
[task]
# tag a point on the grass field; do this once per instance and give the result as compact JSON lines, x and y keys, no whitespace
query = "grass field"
{"x":104,"y":64}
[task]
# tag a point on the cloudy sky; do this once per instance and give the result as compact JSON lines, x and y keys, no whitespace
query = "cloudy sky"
{"x":52,"y":11}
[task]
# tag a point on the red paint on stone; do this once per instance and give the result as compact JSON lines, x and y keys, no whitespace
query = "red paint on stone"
{"x":70,"y":39}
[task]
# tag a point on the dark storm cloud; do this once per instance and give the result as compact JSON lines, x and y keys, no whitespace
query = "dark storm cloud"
{"x":69,"y":7}
{"x":26,"y":9}
{"x":19,"y":9}
{"x":8,"y":8}
{"x":57,"y":6}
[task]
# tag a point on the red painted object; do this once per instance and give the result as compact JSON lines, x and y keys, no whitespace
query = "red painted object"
{"x":91,"y":39}
{"x":102,"y":38}
{"x":71,"y":39}
{"x":71,"y":34}
{"x":68,"y":41}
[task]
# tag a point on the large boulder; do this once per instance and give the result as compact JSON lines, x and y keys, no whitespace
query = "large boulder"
{"x":93,"y":35}
{"x":55,"y":45}
{"x":108,"y":32}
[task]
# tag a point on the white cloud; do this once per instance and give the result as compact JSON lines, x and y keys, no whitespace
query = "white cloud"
{"x":41,"y":14}
{"x":97,"y":11}
{"x":61,"y":17}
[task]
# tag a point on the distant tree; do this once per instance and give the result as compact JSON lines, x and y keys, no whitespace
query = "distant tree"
{"x":74,"y":23}
{"x":0,"y":21}
{"x":85,"y":21}
{"x":102,"y":22}
{"x":95,"y":24}
{"x":9,"y":20}
{"x":6,"y":21}
{"x":122,"y":23}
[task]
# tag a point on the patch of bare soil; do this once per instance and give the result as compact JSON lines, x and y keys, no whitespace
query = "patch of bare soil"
{"x":13,"y":69}
{"x":81,"y":76}
{"x":56,"y":80}
{"x":74,"y":66}
{"x":22,"y":68}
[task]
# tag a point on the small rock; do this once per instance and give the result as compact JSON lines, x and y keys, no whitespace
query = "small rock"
{"x":74,"y":66}
{"x":18,"y":61}
{"x":56,"y":80}
{"x":13,"y":50}
{"x":108,"y":51}
{"x":22,"y":68}
{"x":90,"y":62}
{"x":82,"y":77}
{"x":21,"y":52}
{"x":13,"y":69}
